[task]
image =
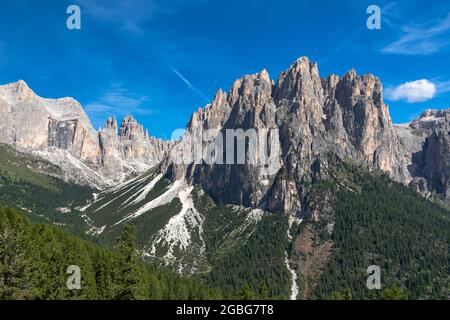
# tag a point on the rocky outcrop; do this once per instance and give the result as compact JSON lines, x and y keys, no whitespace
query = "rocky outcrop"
{"x":129,"y":149}
{"x":60,"y":131}
{"x":33,"y":123}
{"x":314,"y":116}
{"x":345,"y":116}
{"x":137,"y":146}
{"x":248,"y":105}
{"x":426,"y":146}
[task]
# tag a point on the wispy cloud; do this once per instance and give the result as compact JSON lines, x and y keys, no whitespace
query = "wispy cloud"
{"x":391,"y":13}
{"x":131,"y":15}
{"x":127,"y":14}
{"x":422,"y":39}
{"x":117,"y":101}
{"x":443,"y":86}
{"x":411,"y":92}
{"x":190,"y":85}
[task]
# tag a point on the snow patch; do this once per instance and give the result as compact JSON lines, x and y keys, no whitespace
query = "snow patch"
{"x":163,"y":199}
{"x":73,"y":169}
{"x":177,"y":232}
{"x":145,"y":191}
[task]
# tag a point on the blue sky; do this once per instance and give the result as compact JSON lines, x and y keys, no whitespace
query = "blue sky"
{"x":160,"y":60}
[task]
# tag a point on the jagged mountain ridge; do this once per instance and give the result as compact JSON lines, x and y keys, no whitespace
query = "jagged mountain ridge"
{"x":180,"y":226}
{"x":315,"y":116}
{"x":60,"y":131}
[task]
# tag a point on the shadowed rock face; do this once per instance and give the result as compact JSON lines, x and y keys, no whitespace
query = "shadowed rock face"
{"x":426,"y":144}
{"x":59,"y":130}
{"x":315,"y":116}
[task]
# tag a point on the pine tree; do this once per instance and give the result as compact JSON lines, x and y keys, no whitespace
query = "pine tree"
{"x":393,"y":293}
{"x":105,"y":275}
{"x":263,"y":291}
{"x":13,"y":249}
{"x":130,"y":275}
{"x":247,"y":293}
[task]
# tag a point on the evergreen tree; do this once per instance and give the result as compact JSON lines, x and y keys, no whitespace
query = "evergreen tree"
{"x":130,"y":275}
{"x":34,"y":261}
{"x":393,"y":293}
{"x":263,"y":291}
{"x":247,"y":293}
{"x":13,"y":249}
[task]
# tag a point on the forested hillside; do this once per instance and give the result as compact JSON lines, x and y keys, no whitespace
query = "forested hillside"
{"x":370,"y":220}
{"x":37,"y":188}
{"x":34,"y":261}
{"x":354,"y":219}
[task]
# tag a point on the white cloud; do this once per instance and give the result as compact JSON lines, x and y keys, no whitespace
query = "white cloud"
{"x":422,"y":39}
{"x":414,"y":91}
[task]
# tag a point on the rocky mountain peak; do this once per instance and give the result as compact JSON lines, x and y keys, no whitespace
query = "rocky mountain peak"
{"x":111,"y":124}
{"x":129,"y":119}
{"x":130,"y":129}
{"x":17,"y":91}
{"x":434,"y":114}
{"x":214,"y":115}
{"x":60,"y":131}
{"x":432,"y":120}
{"x":314,"y":116}
{"x":264,"y":76}
{"x":22,"y":88}
{"x":300,"y":82}
{"x":351,"y":74}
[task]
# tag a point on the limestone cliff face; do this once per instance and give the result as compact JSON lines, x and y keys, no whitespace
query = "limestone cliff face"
{"x":314,"y":116}
{"x":137,"y":145}
{"x":31,"y":122}
{"x":129,"y":149}
{"x":60,"y":131}
{"x":248,"y":105}
{"x":345,"y":116}
{"x":426,"y":148}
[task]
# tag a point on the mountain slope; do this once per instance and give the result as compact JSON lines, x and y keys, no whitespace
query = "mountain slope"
{"x":180,"y":227}
{"x":25,"y":183}
{"x":366,"y":219}
{"x":34,"y":260}
{"x":339,"y":196}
